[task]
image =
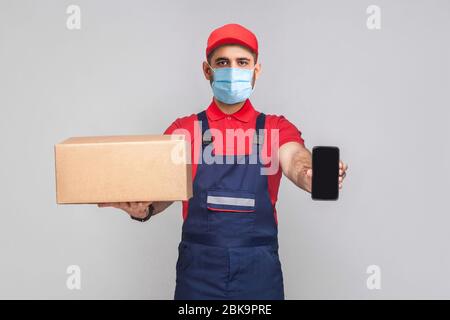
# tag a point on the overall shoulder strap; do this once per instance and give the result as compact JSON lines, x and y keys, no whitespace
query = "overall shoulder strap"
{"x":206,"y":134}
{"x":259,"y":133}
{"x":258,"y":137}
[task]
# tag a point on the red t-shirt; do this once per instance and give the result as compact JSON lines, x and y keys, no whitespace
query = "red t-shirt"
{"x":245,"y":119}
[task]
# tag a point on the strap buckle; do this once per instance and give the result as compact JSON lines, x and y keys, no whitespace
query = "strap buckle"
{"x":207,"y":137}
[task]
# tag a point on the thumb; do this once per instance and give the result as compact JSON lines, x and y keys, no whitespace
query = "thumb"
{"x":309,"y":173}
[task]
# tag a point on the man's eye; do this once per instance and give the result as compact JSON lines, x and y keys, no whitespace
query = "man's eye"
{"x":222,"y":63}
{"x":243,"y":63}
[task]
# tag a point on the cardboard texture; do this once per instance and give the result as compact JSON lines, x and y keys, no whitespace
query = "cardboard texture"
{"x":123,"y":168}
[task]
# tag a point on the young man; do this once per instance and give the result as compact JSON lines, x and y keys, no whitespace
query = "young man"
{"x":229,"y":246}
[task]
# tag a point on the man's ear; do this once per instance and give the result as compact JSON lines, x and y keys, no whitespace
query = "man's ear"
{"x":258,"y":70}
{"x":207,"y":71}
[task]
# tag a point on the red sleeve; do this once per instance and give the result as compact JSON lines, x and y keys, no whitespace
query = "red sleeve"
{"x":287,"y":131}
{"x":186,"y":126}
{"x":184,"y":123}
{"x":175,"y":125}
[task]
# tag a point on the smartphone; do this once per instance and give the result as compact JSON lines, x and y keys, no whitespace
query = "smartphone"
{"x":325,"y":178}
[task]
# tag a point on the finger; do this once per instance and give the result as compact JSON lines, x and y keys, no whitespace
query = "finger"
{"x":137,"y":208}
{"x":340,"y":185}
{"x":341,"y":164}
{"x":135,"y":205}
{"x":341,"y":179}
{"x":140,"y":207}
{"x":309,"y":172}
{"x":128,"y":205}
{"x":117,"y":205}
{"x":121,"y":205}
{"x":104,"y":204}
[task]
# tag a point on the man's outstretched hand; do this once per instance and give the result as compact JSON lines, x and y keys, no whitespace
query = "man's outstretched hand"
{"x":134,"y":209}
{"x":296,"y":163}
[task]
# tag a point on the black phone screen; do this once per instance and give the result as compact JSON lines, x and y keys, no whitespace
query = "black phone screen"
{"x":325,"y":178}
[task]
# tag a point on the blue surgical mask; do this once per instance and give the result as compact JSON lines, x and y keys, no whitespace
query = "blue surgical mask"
{"x":232,"y":85}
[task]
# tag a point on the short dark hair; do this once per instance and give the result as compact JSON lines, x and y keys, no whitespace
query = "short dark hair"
{"x":255,"y":56}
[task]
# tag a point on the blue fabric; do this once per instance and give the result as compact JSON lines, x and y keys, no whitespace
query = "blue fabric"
{"x":232,"y":85}
{"x":229,"y":255}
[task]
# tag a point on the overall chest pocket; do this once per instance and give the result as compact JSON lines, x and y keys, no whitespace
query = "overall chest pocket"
{"x":231,"y":212}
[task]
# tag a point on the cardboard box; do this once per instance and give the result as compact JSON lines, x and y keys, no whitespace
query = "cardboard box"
{"x":123,"y":168}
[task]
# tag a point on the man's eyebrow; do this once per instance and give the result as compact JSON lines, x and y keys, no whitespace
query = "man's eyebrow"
{"x":243,"y":58}
{"x":222,"y":58}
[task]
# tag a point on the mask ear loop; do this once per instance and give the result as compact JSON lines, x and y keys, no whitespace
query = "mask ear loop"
{"x":210,"y":66}
{"x":212,"y":71}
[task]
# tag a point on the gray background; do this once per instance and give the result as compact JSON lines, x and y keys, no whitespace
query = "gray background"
{"x":382,"y":96}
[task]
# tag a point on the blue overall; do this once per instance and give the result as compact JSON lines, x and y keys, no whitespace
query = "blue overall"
{"x":229,"y":246}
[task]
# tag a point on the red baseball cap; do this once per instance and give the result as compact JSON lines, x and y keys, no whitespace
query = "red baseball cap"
{"x":232,"y":33}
